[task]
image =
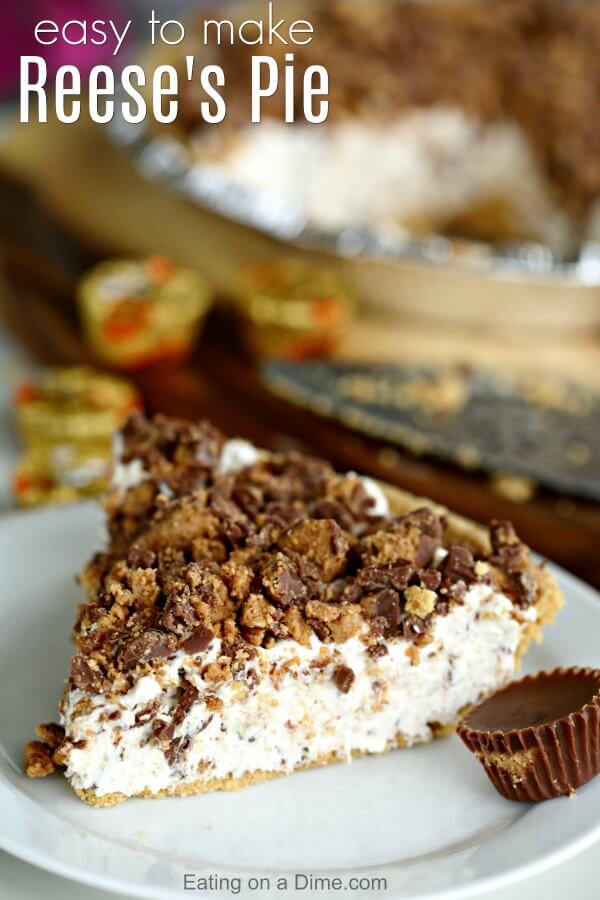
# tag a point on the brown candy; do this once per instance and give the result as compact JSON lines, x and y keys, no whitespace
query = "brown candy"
{"x":152,"y":644}
{"x":539,"y":737}
{"x":343,"y":678}
{"x":199,"y":641}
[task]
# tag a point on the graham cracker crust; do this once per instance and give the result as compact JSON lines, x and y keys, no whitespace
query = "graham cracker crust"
{"x":549,"y":602}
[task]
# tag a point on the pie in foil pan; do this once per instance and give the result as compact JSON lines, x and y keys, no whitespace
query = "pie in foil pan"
{"x":482,"y":165}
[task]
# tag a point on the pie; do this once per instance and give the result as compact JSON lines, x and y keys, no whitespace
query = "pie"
{"x":254,"y":614}
{"x":468,"y":118}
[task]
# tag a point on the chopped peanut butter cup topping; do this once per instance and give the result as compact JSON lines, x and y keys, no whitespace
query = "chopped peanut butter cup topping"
{"x":282,"y":549}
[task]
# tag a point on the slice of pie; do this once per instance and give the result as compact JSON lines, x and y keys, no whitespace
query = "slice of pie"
{"x":256,"y":614}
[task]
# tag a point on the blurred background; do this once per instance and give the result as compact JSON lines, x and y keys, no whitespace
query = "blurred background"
{"x":411,"y":290}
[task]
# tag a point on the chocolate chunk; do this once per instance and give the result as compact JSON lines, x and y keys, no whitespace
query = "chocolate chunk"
{"x":502,"y":534}
{"x":281,"y":514}
{"x":307,"y":474}
{"x":384,"y":604}
{"x":424,"y":550}
{"x":430,"y":579}
{"x":235,"y":524}
{"x":200,"y":640}
{"x":141,"y":558}
{"x":394,"y":575}
{"x":511,"y":559}
{"x":539,"y":737}
{"x":152,"y":644}
{"x":146,"y":713}
{"x":321,"y":629}
{"x":178,"y":616}
{"x":163,"y":731}
{"x":280,"y":580}
{"x":188,"y":697}
{"x":176,"y":749}
{"x":265,"y":537}
{"x":442,"y":607}
{"x":413,"y":627}
{"x":332,"y":509}
{"x":343,"y":677}
{"x":310,"y":574}
{"x":249,"y":498}
{"x":352,"y":592}
{"x":432,"y":528}
{"x":377,"y":650}
{"x":457,"y":566}
{"x":86,"y":676}
{"x":529,"y":589}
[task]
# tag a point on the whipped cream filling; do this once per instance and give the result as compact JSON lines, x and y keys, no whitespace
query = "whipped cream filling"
{"x":126,"y":475}
{"x":236,"y":455}
{"x":380,"y":506}
{"x":432,"y":167}
{"x":283,"y":710}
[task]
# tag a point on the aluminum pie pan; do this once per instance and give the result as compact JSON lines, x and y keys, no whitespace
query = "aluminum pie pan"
{"x":168,"y":161}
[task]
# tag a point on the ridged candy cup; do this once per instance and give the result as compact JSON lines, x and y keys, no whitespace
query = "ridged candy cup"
{"x":61,"y":473}
{"x":289,"y":309}
{"x":539,"y":737}
{"x":73,"y":405}
{"x":140,"y":313}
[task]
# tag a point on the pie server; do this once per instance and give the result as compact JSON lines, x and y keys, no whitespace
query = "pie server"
{"x":544,"y":429}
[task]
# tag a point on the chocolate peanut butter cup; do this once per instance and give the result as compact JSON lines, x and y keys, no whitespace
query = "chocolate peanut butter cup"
{"x":539,"y":737}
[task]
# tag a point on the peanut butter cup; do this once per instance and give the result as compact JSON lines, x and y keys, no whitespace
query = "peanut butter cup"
{"x":539,"y":737}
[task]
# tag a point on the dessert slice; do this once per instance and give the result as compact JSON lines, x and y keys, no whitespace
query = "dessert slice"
{"x":271,"y":616}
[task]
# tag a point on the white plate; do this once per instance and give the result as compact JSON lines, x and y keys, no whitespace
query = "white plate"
{"x":425,"y":820}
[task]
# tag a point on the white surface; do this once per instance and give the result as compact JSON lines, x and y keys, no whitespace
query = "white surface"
{"x":426,"y":819}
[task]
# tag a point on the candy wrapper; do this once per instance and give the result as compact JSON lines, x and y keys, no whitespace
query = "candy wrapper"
{"x":73,"y":405}
{"x":291,"y":310}
{"x":62,"y":473}
{"x":139,"y":313}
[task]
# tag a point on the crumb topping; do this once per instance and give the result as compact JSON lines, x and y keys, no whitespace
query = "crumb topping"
{"x":343,"y":677}
{"x":282,"y":549}
{"x":42,"y":757}
{"x":175,"y":457}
